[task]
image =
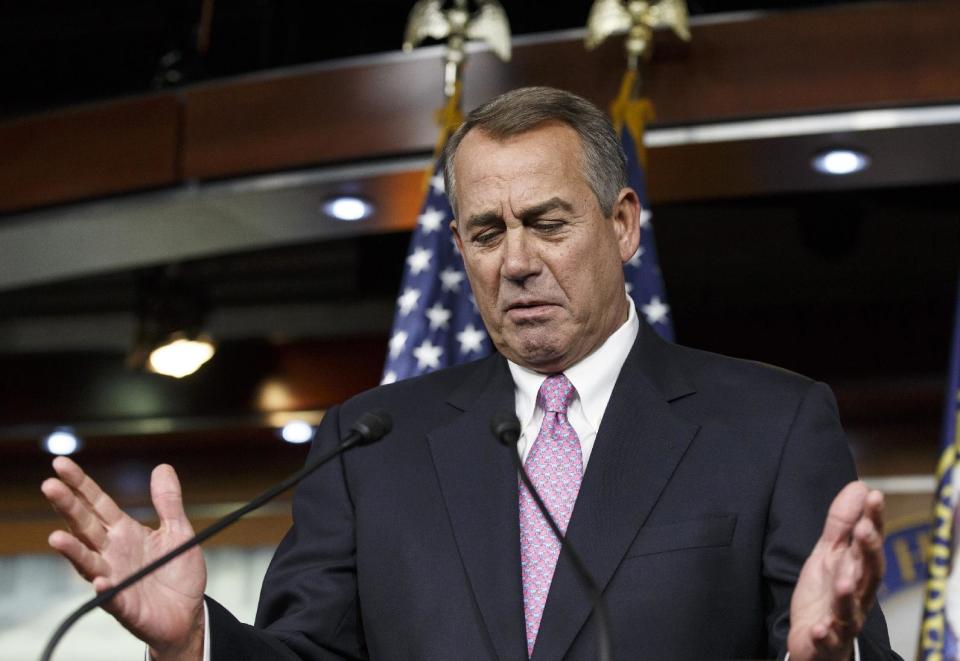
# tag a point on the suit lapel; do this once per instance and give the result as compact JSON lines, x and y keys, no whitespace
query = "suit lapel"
{"x":479,"y":486}
{"x":638,"y":446}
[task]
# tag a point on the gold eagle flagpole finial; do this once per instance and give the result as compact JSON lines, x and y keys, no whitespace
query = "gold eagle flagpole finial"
{"x":638,"y":19}
{"x":457,"y":25}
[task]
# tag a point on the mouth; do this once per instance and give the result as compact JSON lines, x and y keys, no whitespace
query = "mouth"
{"x":528,"y":310}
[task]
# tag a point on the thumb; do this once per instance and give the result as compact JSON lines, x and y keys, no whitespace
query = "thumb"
{"x":845,"y":511}
{"x":167,"y":496}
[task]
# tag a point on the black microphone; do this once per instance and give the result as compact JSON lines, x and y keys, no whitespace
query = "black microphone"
{"x":506,"y":428}
{"x":369,"y":427}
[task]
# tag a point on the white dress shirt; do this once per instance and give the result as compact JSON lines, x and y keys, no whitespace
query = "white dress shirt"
{"x":593,"y":377}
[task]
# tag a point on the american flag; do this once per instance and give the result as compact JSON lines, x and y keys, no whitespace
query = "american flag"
{"x":642,"y":272}
{"x":437,"y":323}
{"x":940,"y":629}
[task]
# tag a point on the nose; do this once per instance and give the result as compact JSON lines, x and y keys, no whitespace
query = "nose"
{"x":520,"y":259}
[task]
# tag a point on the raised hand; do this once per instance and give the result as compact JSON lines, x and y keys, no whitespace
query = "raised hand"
{"x":839,"y":580}
{"x":165,"y":609}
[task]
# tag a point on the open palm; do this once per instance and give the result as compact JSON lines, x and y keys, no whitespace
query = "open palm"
{"x":106,"y":545}
{"x":838,"y":583}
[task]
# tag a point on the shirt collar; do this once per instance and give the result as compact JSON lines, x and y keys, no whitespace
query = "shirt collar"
{"x":593,"y":377}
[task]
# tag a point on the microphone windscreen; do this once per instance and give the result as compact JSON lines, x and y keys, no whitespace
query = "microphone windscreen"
{"x":505,"y":427}
{"x":373,"y":425}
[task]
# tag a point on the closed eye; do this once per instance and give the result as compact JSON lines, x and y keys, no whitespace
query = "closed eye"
{"x":486,"y":236}
{"x":548,"y":226}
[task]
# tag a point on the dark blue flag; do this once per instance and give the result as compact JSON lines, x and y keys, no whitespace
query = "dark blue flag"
{"x":642,"y":272}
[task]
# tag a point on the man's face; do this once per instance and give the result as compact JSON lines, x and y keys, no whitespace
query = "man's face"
{"x":544,"y":264}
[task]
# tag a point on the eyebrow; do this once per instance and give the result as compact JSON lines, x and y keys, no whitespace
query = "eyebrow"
{"x":491,"y":217}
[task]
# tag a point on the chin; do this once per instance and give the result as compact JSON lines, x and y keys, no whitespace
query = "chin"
{"x":541,"y":356}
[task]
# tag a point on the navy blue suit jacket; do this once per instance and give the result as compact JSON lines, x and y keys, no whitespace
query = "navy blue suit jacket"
{"x":706,"y":490}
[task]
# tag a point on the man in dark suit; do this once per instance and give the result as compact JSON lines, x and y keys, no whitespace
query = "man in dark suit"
{"x":696,"y":487}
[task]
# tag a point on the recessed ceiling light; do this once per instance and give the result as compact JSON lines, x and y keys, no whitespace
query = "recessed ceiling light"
{"x":62,"y":442}
{"x":297,"y":431}
{"x":840,"y":161}
{"x":347,"y":207}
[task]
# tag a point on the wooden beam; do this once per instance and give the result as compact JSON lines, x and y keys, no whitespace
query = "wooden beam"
{"x":854,"y":56}
{"x":92,"y":151}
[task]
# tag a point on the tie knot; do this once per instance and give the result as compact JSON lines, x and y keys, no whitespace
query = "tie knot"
{"x":556,"y":393}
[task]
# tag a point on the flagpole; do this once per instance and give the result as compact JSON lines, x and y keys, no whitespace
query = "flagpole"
{"x":630,"y":112}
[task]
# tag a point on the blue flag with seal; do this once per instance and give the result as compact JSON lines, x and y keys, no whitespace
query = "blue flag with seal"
{"x":437,"y":323}
{"x":940,"y":630}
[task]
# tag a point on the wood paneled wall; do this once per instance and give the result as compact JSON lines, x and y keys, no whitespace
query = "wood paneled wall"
{"x":855,"y":56}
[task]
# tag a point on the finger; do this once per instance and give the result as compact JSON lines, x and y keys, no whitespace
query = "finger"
{"x":874,"y":509}
{"x":847,"y":616}
{"x":868,"y":543}
{"x":88,"y":564}
{"x":75,"y":512}
{"x":167,"y":498}
{"x":102,"y":505}
{"x":845,"y":510}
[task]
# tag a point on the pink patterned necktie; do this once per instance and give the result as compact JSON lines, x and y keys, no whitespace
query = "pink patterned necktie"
{"x":555,"y":466}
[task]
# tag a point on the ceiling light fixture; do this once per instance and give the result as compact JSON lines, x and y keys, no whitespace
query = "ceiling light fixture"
{"x":169,"y":338}
{"x":840,"y":161}
{"x":347,"y":207}
{"x":61,"y":442}
{"x":297,"y":431}
{"x":181,"y":356}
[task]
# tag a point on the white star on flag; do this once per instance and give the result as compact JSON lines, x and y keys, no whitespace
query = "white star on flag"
{"x":428,"y":355}
{"x":470,"y":339}
{"x":450,"y":279}
{"x":635,"y":260}
{"x":408,"y":301}
{"x":439,"y":316}
{"x":431,"y":219}
{"x":397,"y":342}
{"x":656,"y":310}
{"x":419,"y":261}
{"x":389,"y":377}
{"x":645,"y":217}
{"x":436,"y":183}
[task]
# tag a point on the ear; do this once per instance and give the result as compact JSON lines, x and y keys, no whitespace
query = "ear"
{"x":626,"y":223}
{"x":456,"y":235}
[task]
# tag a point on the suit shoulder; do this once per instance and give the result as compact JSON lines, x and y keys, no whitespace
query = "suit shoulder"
{"x":734,"y":389}
{"x":761,"y":402}
{"x":431,"y":387}
{"x":715,"y":370}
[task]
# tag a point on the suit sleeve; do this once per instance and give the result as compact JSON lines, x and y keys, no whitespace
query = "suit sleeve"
{"x":814,"y":466}
{"x":308,"y":604}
